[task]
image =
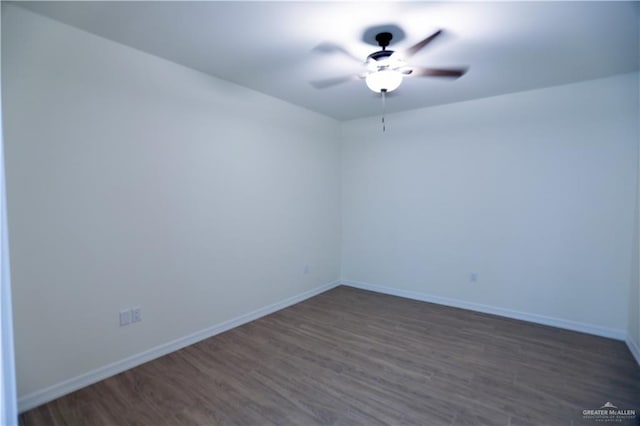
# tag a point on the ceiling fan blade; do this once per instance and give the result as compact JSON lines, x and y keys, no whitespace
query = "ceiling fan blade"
{"x":437,"y":72}
{"x":407,"y":53}
{"x":328,"y":47}
{"x":328,"y":82}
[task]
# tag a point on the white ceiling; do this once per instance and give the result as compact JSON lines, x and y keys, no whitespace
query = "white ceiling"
{"x":269,"y":46}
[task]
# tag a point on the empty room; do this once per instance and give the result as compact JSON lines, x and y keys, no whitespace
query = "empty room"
{"x":320,"y":213}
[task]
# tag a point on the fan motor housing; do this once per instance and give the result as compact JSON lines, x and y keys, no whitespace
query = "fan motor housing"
{"x":380,"y":54}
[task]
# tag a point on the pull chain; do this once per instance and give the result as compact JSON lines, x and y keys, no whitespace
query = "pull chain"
{"x":384,"y":105}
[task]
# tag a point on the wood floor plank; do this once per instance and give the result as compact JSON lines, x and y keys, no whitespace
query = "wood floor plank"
{"x":352,"y":357}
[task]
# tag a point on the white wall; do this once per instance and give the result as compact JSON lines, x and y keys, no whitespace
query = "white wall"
{"x":133,"y":181}
{"x":532,"y":191}
{"x":8,"y":396}
{"x":633,"y":338}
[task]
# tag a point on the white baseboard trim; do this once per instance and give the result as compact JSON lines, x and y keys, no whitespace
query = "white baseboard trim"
{"x":40,"y":397}
{"x":456,"y":303}
{"x":633,"y":348}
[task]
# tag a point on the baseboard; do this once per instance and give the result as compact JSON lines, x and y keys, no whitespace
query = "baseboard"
{"x":633,"y":348}
{"x":525,"y":316}
{"x":40,"y":397}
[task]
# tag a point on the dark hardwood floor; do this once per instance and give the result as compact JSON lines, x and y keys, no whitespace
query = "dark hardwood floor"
{"x":352,"y":357}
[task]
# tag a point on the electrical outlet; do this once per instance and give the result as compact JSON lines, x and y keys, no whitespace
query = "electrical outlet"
{"x":125,"y":317}
{"x":473,"y":277}
{"x":136,"y":314}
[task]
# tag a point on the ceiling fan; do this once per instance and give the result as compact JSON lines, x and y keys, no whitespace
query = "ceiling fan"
{"x":385,"y":69}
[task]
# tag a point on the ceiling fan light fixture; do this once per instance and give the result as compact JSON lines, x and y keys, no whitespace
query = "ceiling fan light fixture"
{"x":387,"y":80}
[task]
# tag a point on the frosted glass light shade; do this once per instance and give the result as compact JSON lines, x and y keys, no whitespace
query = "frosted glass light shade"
{"x":388,"y":80}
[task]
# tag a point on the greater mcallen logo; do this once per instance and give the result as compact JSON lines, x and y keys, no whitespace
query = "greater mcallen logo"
{"x":609,"y":413}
